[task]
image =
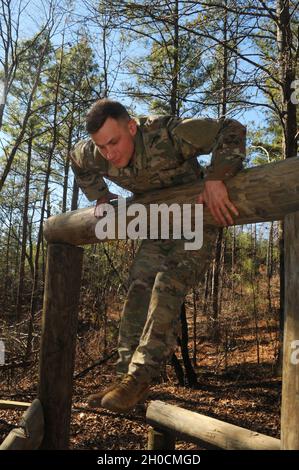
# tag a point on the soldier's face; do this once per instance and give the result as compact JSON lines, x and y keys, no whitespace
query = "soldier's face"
{"x":115,"y":141}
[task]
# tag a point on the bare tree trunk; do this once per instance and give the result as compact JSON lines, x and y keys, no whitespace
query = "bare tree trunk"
{"x":254,"y":291}
{"x":11,"y":47}
{"x":67,"y":161}
{"x":174,"y":104}
{"x":233,"y":260}
{"x":24,"y":232}
{"x":215,"y":331}
{"x":221,"y":280}
{"x":19,"y":139}
{"x":207,"y":290}
{"x":190,"y":374}
{"x":195,"y":298}
{"x":75,"y":195}
{"x":270,"y":267}
{"x":7,"y":275}
{"x":34,"y":295}
{"x":220,"y":239}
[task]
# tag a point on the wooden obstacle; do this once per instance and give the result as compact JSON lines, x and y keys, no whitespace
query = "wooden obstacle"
{"x":263,"y":193}
{"x":29,"y":434}
{"x":171,"y":421}
{"x":58,"y":343}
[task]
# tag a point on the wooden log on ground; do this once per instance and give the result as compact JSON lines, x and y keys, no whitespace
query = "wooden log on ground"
{"x":205,"y":430}
{"x":290,"y":375}
{"x":58,"y":342}
{"x":13,"y":405}
{"x":264,"y":193}
{"x":29,"y":434}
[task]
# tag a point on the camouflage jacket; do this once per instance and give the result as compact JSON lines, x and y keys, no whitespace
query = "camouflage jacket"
{"x":164,"y":155}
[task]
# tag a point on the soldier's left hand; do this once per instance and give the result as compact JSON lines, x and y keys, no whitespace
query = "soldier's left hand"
{"x":215,"y":197}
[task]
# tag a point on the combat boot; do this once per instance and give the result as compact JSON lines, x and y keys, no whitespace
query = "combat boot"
{"x":126,"y":395}
{"x":94,"y":400}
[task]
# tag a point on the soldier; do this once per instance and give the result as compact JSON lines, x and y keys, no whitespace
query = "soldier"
{"x":141,"y":155}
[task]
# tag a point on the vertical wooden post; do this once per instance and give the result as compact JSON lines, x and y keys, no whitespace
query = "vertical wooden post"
{"x":58,"y":342}
{"x":159,"y":440}
{"x":290,"y":374}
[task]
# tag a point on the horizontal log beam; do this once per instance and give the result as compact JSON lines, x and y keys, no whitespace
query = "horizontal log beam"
{"x":264,"y":193}
{"x":13,"y":405}
{"x":205,"y":430}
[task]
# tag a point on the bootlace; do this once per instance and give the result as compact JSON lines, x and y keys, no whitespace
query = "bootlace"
{"x":127,"y":382}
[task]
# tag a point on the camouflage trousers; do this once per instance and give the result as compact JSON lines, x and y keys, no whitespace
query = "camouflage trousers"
{"x":160,"y":277}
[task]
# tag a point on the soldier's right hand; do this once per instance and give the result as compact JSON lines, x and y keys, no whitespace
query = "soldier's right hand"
{"x":100,"y":204}
{"x":215,"y":196}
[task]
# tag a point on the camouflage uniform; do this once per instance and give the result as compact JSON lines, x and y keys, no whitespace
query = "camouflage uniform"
{"x":162,"y":272}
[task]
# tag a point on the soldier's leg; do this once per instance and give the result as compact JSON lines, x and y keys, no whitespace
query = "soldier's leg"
{"x":141,"y":280}
{"x":178,"y":272}
{"x":158,"y":341}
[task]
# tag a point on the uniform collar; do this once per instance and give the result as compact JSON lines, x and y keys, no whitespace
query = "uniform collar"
{"x":139,"y":151}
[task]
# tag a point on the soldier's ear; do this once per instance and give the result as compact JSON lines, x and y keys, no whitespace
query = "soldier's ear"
{"x":132,"y":126}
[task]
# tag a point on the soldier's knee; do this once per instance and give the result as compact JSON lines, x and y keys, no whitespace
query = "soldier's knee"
{"x":139,"y":284}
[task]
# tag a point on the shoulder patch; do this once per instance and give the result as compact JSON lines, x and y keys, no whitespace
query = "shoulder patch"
{"x":155,"y":122}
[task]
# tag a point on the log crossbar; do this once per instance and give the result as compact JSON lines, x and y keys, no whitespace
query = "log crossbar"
{"x":13,"y":405}
{"x":261,"y":194}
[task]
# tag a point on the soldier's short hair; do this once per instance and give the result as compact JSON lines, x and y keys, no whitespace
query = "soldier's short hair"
{"x":101,"y":110}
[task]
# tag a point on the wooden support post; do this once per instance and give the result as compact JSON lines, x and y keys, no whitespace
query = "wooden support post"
{"x":159,"y":440}
{"x":290,"y":374}
{"x":58,"y":342}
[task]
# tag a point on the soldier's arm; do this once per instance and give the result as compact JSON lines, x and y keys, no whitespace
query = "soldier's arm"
{"x":88,"y":179}
{"x":225,"y":138}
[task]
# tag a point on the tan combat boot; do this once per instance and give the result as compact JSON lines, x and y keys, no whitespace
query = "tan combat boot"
{"x":94,"y":400}
{"x":125,"y":396}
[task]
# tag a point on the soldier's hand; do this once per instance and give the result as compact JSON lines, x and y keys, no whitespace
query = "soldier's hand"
{"x":100,"y":204}
{"x":215,"y":197}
